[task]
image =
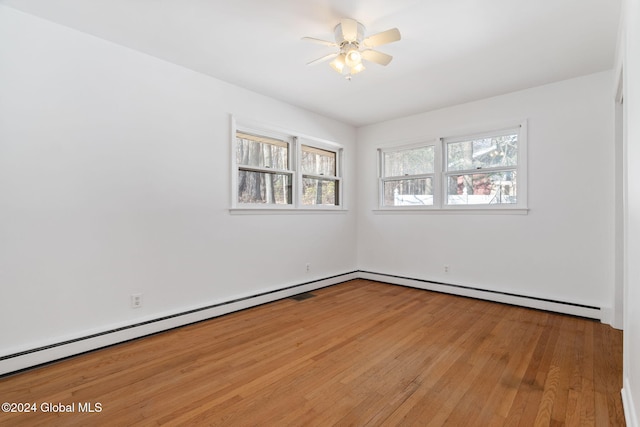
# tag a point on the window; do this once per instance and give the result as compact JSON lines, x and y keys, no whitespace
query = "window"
{"x":264,"y":176}
{"x":274,"y":170}
{"x":320,"y":182}
{"x":408,"y":176}
{"x":481,"y":171}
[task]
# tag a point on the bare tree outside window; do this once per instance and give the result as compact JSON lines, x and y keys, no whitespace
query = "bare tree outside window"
{"x":285,"y":171}
{"x":262,"y":176}
{"x":319,"y":172}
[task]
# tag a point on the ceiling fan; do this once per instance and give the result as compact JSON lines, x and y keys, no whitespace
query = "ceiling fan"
{"x":353,"y":47}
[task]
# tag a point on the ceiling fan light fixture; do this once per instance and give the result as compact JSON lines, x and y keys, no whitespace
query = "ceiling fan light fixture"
{"x":349,"y":39}
{"x":353,"y":57}
{"x":357,"y":68}
{"x":338,"y":63}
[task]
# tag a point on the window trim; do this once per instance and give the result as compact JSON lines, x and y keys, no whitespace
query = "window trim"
{"x":441,"y":173}
{"x":295,"y":141}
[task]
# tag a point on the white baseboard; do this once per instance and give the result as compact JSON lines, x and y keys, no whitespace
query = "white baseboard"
{"x":50,"y":353}
{"x":630,"y":415}
{"x":519,"y":300}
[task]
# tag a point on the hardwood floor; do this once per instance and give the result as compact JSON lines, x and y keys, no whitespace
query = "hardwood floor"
{"x":358,"y":353}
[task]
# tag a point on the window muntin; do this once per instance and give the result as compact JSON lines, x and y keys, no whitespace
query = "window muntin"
{"x":482,"y":170}
{"x":408,"y":176}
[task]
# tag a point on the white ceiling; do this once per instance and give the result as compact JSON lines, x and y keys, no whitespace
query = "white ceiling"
{"x":452,"y":51}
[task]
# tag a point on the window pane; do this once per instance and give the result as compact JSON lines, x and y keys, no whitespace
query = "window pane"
{"x":497,"y":151}
{"x":318,"y":162}
{"x":261,"y":152}
{"x":319,"y":192}
{"x":415,"y":161}
{"x":408,"y":192}
{"x":267,"y":188}
{"x":482,"y":188}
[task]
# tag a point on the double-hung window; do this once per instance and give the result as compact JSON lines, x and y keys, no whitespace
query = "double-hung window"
{"x":408,"y":176}
{"x":478,"y":171}
{"x":264,"y":172}
{"x":320,"y":180}
{"x":482,"y":169}
{"x":278,"y":170}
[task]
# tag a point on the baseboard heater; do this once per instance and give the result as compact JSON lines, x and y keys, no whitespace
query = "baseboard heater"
{"x":564,"y":307}
{"x":22,"y":360}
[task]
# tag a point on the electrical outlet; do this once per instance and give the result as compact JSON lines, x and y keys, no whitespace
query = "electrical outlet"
{"x":446,"y":268}
{"x":136,"y":300}
{"x":308,"y":267}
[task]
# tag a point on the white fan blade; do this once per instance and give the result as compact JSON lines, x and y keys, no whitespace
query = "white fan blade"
{"x":349,"y":29}
{"x":377,"y":57}
{"x":389,"y":36}
{"x":324,"y":58}
{"x":319,"y":41}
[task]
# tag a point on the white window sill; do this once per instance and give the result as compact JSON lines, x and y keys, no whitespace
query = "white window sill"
{"x":286,"y":211}
{"x":449,"y":211}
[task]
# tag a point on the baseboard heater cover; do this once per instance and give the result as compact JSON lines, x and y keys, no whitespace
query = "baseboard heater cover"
{"x":19,"y":361}
{"x":563,"y":307}
{"x":13,"y":363}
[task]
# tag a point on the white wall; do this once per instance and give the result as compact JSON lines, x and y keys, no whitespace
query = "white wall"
{"x":562,"y":250}
{"x":631,"y":61}
{"x":115,"y":179}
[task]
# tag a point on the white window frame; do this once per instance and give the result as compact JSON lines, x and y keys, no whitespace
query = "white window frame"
{"x":337,"y":178}
{"x":266,"y":169}
{"x":436,"y":177}
{"x":295,"y":141}
{"x":441,"y":173}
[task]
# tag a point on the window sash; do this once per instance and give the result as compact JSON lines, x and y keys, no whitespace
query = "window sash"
{"x":314,"y":198}
{"x":261,"y":152}
{"x":400,"y":152}
{"x":485,"y":189}
{"x":492,"y":157}
{"x":403,"y":198}
{"x":328,"y":160}
{"x":268,"y":188}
